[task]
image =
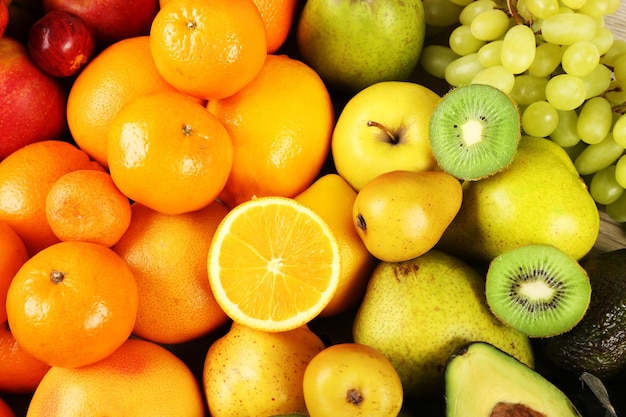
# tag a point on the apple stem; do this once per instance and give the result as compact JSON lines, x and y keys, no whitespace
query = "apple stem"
{"x":384,"y":128}
{"x":360,"y":222}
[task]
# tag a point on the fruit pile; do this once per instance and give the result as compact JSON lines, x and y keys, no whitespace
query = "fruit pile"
{"x":563,"y":67}
{"x":317,"y":208}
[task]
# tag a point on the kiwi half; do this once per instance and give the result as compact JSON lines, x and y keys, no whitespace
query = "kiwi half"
{"x":537,"y":289}
{"x":474,"y":131}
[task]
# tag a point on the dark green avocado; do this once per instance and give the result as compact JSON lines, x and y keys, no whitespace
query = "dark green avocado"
{"x":597,"y":344}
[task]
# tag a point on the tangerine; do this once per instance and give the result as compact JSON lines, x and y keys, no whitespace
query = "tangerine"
{"x":167,"y":254}
{"x":278,"y":16}
{"x":281,"y":125}
{"x":20,"y":372}
{"x":139,"y":379}
{"x":115,"y":76}
{"x":85,"y":205}
{"x":72,"y":303}
{"x":14,"y":254}
{"x":26,"y":176}
{"x":208,"y":48}
{"x":169,"y":153}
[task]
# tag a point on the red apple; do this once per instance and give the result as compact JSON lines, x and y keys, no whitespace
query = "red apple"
{"x":110,"y":20}
{"x":32,"y":102}
{"x":4,"y":17}
{"x":60,"y":43}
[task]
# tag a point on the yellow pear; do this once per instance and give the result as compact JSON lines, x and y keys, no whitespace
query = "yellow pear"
{"x":402,"y":214}
{"x":332,"y":198}
{"x":252,"y":373}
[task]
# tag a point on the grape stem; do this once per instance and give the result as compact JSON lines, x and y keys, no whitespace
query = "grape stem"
{"x":512,"y":6}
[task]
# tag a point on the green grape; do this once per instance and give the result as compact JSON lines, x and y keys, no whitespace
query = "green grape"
{"x":619,"y":131}
{"x":539,"y":119}
{"x":547,"y":59}
{"x":435,"y":58}
{"x":528,"y":89}
{"x":462,"y":70}
{"x":599,"y":8}
{"x":522,"y":10}
{"x":496,"y":76}
{"x":490,"y":24}
{"x":462,"y":42}
{"x":565,"y":134}
{"x":620,"y":171}
{"x":475,"y":8}
{"x":616,"y":93}
{"x":619,"y":68}
{"x":595,"y":120}
{"x":598,"y":156}
{"x":575,"y":150}
{"x":617,"y":209}
{"x":441,"y":13}
{"x":617,"y":49}
{"x":573,"y":4}
{"x":603,"y":187}
{"x":518,"y":49}
{"x":565,"y":91}
{"x":568,"y":28}
{"x":603,"y":40}
{"x":580,"y":58}
{"x":489,"y":54}
{"x":597,"y":81}
{"x":542,"y":8}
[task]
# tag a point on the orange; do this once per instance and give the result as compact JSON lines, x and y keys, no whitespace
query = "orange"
{"x":119,"y":73}
{"x":139,"y":379}
{"x":72,"y":304}
{"x":169,"y":153}
{"x":20,"y":372}
{"x":5,"y":410}
{"x":26,"y":176}
{"x":254,"y":373}
{"x":208,"y":48}
{"x":332,"y":197}
{"x":167,"y":254}
{"x":85,"y":205}
{"x":273,"y":264}
{"x":278,"y":16}
{"x":14,"y":254}
{"x":280,"y":124}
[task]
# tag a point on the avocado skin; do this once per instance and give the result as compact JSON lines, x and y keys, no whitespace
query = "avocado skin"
{"x":597,"y":344}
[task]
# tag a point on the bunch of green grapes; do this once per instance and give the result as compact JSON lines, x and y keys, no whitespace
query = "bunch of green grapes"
{"x":563,"y":67}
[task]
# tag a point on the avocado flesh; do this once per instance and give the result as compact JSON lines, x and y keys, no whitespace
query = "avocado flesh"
{"x":483,"y":381}
{"x":597,"y":344}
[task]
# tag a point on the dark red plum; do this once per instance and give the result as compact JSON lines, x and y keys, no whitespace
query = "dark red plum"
{"x":60,"y":43}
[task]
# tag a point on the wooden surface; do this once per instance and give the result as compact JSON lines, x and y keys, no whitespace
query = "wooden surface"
{"x":613,"y":235}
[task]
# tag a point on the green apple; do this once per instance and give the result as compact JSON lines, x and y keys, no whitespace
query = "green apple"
{"x":355,"y":43}
{"x":383,"y":128}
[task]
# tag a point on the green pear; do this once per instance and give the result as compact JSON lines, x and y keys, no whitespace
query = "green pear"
{"x":418,"y":312}
{"x":538,"y":198}
{"x":356,"y":43}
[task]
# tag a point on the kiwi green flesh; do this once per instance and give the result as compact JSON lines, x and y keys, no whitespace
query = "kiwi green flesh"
{"x":474,"y":131}
{"x":538,"y":290}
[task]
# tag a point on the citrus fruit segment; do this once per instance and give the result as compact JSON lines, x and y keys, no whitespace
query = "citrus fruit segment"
{"x":273,"y":264}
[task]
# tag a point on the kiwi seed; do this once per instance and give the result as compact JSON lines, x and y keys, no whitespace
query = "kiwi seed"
{"x":537,"y":289}
{"x":474,"y":131}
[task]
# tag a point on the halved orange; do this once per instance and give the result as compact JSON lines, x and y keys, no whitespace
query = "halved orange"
{"x":273,"y":264}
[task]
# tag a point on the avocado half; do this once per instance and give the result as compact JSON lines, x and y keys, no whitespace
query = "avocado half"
{"x":483,"y":381}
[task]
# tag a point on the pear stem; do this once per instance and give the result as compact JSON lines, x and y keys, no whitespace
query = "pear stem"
{"x":390,"y":135}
